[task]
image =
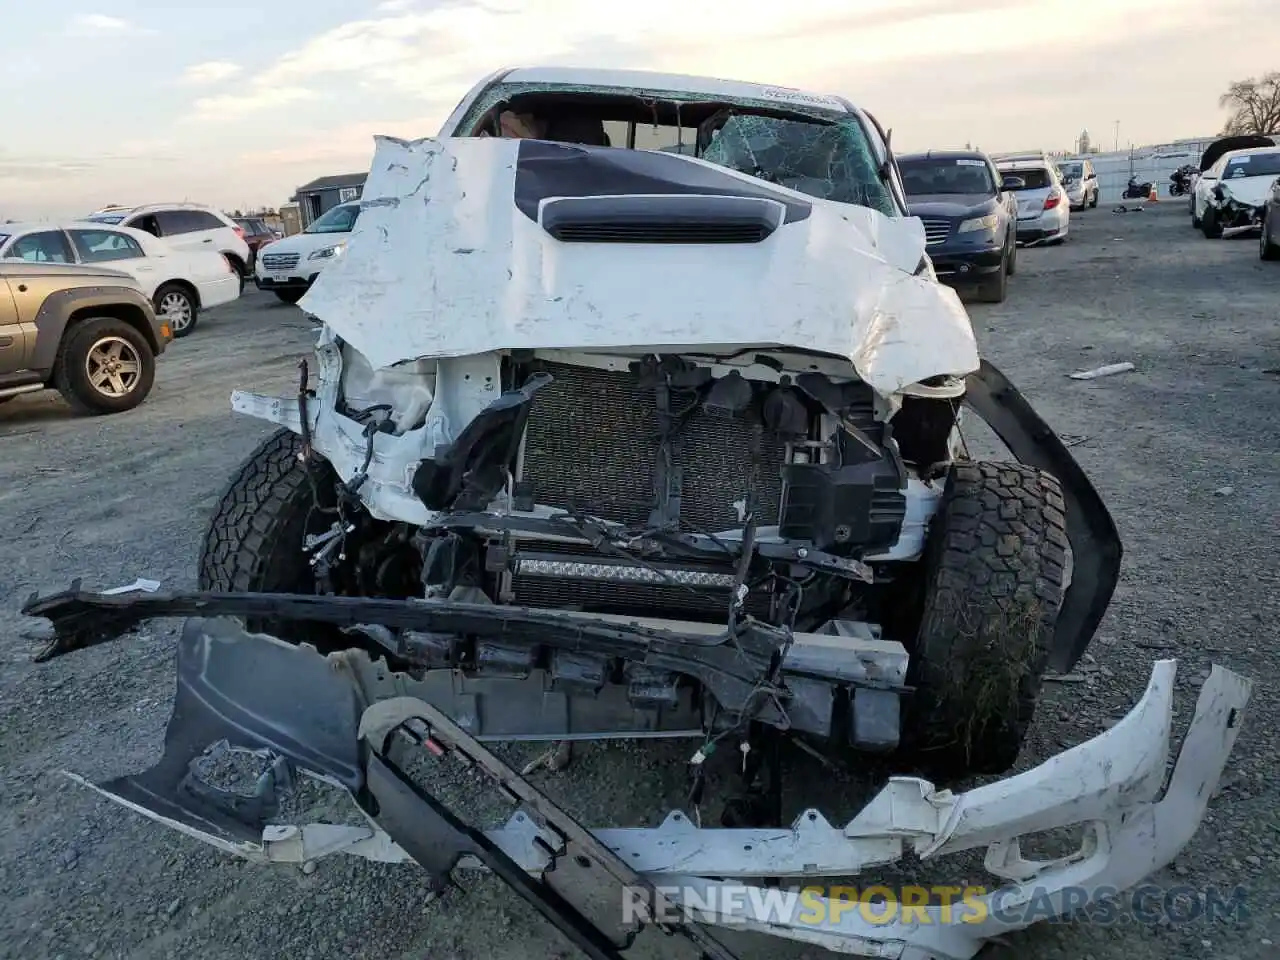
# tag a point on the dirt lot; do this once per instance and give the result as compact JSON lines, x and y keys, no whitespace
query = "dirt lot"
{"x":1184,"y":450}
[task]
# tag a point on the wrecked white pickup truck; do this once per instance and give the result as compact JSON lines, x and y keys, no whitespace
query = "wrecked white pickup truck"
{"x":638,"y":414}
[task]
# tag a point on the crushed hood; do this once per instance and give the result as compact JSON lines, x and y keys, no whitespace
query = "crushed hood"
{"x":1251,"y":191}
{"x":450,"y":258}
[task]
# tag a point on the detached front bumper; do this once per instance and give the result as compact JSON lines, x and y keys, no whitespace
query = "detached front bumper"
{"x":1237,"y":217}
{"x":301,"y":712}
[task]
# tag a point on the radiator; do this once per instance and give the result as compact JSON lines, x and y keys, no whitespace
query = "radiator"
{"x":592,"y":444}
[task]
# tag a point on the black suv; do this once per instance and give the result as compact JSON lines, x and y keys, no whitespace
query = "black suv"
{"x":970,"y":219}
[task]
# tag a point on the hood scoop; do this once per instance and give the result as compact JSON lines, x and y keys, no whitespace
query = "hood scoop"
{"x":661,"y":219}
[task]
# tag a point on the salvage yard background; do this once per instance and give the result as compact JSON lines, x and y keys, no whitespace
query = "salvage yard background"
{"x":1184,"y":450}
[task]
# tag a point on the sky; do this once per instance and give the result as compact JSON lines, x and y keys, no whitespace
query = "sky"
{"x":238,"y":103}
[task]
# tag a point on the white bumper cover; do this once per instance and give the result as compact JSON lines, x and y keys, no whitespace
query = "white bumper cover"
{"x":1134,"y":821}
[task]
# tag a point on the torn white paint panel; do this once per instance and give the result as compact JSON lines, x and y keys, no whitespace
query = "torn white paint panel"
{"x":443,"y":263}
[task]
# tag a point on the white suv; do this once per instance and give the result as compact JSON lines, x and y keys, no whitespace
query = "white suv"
{"x":185,"y":226}
{"x":288,"y":267}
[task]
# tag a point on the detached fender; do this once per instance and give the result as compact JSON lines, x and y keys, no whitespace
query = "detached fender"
{"x":1095,"y":541}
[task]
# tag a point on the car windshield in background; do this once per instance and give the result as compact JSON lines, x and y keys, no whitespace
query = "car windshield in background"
{"x":1072,"y":170}
{"x":1034,"y":178}
{"x":106,"y":217}
{"x":953,"y":175}
{"x":338,"y":220}
{"x":1254,"y":165}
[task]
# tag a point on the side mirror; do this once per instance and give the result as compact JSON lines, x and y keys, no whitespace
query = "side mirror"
{"x":1012,"y":183}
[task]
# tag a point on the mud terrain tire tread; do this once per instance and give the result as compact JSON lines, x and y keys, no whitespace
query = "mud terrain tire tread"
{"x":254,"y":539}
{"x":995,"y":565}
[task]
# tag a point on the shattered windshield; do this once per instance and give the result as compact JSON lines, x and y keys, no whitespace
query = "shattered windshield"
{"x":818,"y":150}
{"x":831,"y":161}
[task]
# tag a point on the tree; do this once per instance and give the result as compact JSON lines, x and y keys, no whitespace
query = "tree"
{"x":1254,"y":105}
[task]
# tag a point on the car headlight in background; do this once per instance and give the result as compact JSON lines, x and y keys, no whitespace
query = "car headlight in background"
{"x":328,"y":253}
{"x":989,"y":222}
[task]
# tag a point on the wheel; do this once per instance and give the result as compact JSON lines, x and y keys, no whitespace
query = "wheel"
{"x":995,"y":289}
{"x":1210,"y":224}
{"x":289,"y":296}
{"x":1013,"y":259}
{"x":176,"y":305}
{"x":1093,"y":201}
{"x":104,"y":366}
{"x":992,"y":576}
{"x":1266,"y":249}
{"x":254,"y":541}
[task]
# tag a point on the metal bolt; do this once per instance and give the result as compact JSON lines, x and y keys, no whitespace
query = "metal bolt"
{"x":802,"y":553}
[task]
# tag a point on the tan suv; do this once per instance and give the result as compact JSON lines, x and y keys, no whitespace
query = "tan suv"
{"x":87,"y":331}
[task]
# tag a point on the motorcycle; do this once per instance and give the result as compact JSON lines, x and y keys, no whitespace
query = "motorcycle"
{"x":1136,"y":190}
{"x":1181,"y":181}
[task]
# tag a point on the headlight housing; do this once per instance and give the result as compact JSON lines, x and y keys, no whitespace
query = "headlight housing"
{"x":327,"y":253}
{"x":989,"y":222}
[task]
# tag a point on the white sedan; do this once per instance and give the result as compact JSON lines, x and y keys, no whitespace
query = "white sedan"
{"x":180,"y":283}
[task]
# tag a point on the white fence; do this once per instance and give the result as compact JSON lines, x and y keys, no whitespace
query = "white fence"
{"x":1154,"y":163}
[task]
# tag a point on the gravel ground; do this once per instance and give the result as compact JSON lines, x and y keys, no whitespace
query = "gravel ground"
{"x":1184,"y":450}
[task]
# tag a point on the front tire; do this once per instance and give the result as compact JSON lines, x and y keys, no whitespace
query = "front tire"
{"x":993,"y":574}
{"x":1210,"y":224}
{"x":289,"y":296}
{"x":104,"y":366}
{"x":176,"y":305}
{"x":254,"y":539}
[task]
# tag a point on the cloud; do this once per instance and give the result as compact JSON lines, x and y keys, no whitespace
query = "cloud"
{"x":439,"y":52}
{"x":234,"y":106}
{"x":346,"y":147}
{"x":210,"y":72}
{"x":102,"y":25}
{"x":52,"y":168}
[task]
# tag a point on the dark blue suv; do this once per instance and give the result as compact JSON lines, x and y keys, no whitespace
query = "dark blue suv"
{"x":970,"y":218}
